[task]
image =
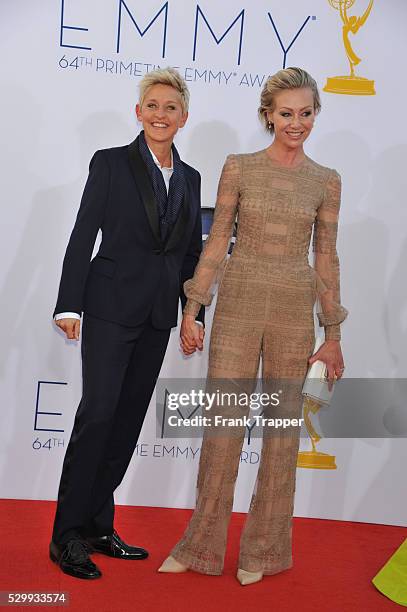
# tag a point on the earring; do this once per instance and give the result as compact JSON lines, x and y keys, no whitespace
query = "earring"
{"x":270,"y":125}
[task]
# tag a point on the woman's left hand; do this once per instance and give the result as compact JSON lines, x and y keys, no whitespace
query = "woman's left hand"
{"x":331,"y":354}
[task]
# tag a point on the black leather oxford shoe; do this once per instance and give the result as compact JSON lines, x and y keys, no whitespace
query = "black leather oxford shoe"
{"x":73,"y":559}
{"x":113,"y":546}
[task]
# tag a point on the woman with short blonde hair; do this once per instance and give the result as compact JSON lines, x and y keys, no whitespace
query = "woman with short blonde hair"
{"x":169,"y":77}
{"x":146,"y":201}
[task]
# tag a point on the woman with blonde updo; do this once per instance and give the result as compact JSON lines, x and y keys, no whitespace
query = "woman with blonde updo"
{"x":264,"y":309}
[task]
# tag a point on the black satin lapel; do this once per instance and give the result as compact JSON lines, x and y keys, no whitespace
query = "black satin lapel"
{"x":182,"y":221}
{"x":142,"y":179}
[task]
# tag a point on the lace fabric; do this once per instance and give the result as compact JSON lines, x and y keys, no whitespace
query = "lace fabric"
{"x":326,"y":261}
{"x":266,"y":296}
{"x":213,"y":259}
{"x":290,"y":230}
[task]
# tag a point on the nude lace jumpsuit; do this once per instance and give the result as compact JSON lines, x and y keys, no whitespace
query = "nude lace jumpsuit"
{"x":264,"y":308}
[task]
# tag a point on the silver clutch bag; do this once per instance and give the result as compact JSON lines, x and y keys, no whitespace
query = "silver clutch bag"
{"x":316,"y":381}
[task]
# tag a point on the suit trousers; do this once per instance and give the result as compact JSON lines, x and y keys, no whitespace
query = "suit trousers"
{"x":120,"y":366}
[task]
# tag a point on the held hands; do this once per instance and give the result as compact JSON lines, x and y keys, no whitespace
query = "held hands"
{"x":71,"y":327}
{"x":330,"y":353}
{"x":192,"y":335}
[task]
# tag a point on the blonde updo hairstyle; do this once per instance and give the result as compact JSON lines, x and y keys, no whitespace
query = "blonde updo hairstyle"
{"x":288,"y":78}
{"x":165,"y":76}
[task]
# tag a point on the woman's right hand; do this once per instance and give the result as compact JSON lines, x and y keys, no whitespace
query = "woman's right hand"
{"x":71,"y":327}
{"x":192,"y":335}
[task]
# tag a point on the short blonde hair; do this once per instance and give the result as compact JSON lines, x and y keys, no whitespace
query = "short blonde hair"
{"x":165,"y":76}
{"x":288,"y":78}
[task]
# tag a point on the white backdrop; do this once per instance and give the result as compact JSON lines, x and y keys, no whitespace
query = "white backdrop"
{"x":60,"y":102}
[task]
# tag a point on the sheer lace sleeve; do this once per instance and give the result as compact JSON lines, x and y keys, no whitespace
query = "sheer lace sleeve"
{"x":330,"y":312}
{"x":211,"y":263}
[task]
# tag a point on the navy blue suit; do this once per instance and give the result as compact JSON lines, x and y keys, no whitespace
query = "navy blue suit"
{"x":134,"y":273}
{"x":129,"y":294}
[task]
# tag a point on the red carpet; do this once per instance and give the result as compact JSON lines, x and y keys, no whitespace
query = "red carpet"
{"x":333,"y":564}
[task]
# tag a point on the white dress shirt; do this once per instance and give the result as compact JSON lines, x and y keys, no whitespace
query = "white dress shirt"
{"x":167,"y":173}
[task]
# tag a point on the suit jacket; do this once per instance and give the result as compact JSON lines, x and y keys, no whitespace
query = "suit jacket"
{"x":135,"y":274}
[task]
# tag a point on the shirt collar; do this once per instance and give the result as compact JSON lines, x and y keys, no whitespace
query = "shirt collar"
{"x":157,"y":163}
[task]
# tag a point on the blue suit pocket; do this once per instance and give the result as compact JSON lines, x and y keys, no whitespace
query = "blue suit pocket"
{"x":104,"y":266}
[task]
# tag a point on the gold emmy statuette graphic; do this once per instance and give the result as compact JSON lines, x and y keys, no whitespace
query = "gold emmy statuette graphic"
{"x":313,"y":458}
{"x":351,"y":85}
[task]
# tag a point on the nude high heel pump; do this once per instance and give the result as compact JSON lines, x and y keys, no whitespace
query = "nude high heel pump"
{"x":171,"y":566}
{"x":248,"y":577}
